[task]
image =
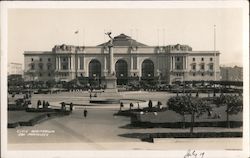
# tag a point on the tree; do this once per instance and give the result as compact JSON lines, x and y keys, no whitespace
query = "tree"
{"x":234,"y":105}
{"x":184,"y":105}
{"x":177,"y":104}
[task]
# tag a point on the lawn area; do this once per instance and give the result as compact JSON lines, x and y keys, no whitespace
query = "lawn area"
{"x":171,"y":116}
{"x":22,"y":116}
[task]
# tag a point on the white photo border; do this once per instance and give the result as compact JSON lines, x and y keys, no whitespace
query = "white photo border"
{"x":5,"y":6}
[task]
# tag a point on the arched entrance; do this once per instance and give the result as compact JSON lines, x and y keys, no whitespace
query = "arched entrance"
{"x":94,"y":73}
{"x":147,"y":69}
{"x":121,"y":69}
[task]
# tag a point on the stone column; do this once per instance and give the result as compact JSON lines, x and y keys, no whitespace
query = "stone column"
{"x":131,"y":62}
{"x":186,"y":63}
{"x":183,"y":64}
{"x":105,"y":62}
{"x":131,"y":65}
{"x":56,"y":63}
{"x":72,"y":63}
{"x":171,"y":63}
{"x":111,"y":60}
{"x":59,"y":63}
{"x":78,"y":63}
{"x":68,"y":63}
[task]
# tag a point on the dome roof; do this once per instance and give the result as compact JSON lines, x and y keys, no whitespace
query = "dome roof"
{"x":123,"y":40}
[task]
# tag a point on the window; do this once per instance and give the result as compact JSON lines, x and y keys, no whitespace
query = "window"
{"x":40,"y":59}
{"x":64,"y":59}
{"x":202,"y":67}
{"x":193,"y":74}
{"x":48,"y":74}
{"x":40,"y":66}
{"x":202,"y":74}
{"x":49,"y":59}
{"x":32,"y":66}
{"x":211,"y":59}
{"x":32,"y":59}
{"x":178,"y":67}
{"x":211,"y":67}
{"x":193,"y":59}
{"x":211,"y":74}
{"x":40,"y":75}
{"x":194,"y":67}
{"x":177,"y":59}
{"x":202,"y":59}
{"x":65,"y":67}
{"x":48,"y":67}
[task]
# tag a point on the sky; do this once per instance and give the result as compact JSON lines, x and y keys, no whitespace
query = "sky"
{"x":41,"y":29}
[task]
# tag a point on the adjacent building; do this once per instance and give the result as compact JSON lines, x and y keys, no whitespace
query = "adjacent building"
{"x":231,"y":73}
{"x":131,"y":59}
{"x":15,"y":69}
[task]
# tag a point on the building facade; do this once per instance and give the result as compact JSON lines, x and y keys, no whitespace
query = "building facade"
{"x":231,"y":73}
{"x":15,"y":69}
{"x":131,"y":59}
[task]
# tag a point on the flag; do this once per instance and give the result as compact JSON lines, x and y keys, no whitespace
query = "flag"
{"x":76,"y":32}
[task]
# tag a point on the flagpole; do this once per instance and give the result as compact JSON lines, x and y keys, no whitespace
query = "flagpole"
{"x":83,"y":33}
{"x":215,"y":52}
{"x":76,"y":62}
{"x":158,"y":36}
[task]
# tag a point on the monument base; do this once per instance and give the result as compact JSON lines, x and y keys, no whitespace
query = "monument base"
{"x":110,"y":82}
{"x":111,"y":87}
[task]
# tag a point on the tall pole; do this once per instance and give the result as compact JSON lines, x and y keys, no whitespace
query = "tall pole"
{"x":164,"y":43}
{"x":158,"y":37}
{"x":215,"y":52}
{"x":83,"y":34}
{"x":76,"y":62}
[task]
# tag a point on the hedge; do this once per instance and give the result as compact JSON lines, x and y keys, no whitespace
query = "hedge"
{"x":37,"y":119}
{"x":233,"y":124}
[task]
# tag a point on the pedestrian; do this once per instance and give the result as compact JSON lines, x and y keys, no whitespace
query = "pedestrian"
{"x":38,"y":104}
{"x":44,"y":104}
{"x":85,"y":112}
{"x":71,"y":107}
{"x":47,"y":104}
{"x":63,"y":108}
{"x":121,"y":106}
{"x":131,"y":105}
{"x":150,"y":104}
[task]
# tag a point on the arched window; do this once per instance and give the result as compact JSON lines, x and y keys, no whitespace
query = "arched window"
{"x":121,"y":69}
{"x":94,"y":68}
{"x":147,"y":68}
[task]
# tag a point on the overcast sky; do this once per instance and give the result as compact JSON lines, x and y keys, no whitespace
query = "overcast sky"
{"x":41,"y":29}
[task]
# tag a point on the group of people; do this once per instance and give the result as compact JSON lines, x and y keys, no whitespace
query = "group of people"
{"x":44,"y":104}
{"x":90,"y":95}
{"x":63,"y":108}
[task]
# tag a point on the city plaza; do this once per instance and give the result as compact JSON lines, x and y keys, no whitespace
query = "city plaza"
{"x":116,"y":62}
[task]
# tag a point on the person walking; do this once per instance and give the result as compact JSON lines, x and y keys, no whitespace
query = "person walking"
{"x":85,"y":113}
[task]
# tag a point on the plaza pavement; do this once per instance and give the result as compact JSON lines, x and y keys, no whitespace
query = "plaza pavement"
{"x":101,"y":130}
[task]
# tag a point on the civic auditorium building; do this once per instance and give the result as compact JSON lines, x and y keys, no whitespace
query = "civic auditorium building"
{"x":131,"y":59}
